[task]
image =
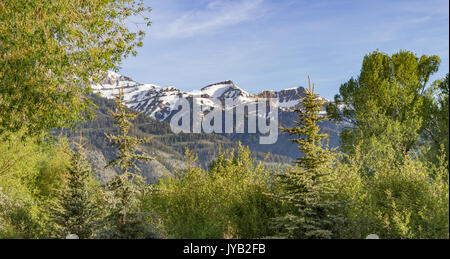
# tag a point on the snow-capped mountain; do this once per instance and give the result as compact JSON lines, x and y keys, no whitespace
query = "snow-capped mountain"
{"x":158,"y":102}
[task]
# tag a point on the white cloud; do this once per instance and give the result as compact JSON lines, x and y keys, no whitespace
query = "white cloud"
{"x":434,"y":7}
{"x":214,"y":16}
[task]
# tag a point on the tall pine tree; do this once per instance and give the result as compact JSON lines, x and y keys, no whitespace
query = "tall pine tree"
{"x":76,"y":211}
{"x":308,"y":188}
{"x":124,"y":192}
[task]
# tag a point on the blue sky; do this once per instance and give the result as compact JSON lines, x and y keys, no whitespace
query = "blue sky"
{"x":275,"y":44}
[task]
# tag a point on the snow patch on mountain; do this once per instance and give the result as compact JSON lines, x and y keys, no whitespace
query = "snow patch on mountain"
{"x":159,"y":102}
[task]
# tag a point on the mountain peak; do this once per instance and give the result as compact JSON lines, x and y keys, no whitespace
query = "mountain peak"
{"x":160,"y":102}
{"x":113,"y":79}
{"x":225,"y":89}
{"x":227,"y":82}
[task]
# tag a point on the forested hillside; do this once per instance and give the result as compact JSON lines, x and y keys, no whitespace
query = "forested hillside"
{"x":168,"y":148}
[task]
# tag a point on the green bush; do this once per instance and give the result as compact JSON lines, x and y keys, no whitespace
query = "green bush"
{"x":31,"y":173}
{"x":408,"y":199}
{"x":227,"y":201}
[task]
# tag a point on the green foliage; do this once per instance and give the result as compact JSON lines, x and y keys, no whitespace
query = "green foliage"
{"x":309,"y":139}
{"x":166,"y":147}
{"x":125,"y":144}
{"x":227,"y":201}
{"x":32,"y":172}
{"x":392,"y":181}
{"x":408,"y":199}
{"x":18,"y":218}
{"x":51,"y":51}
{"x":76,"y":210}
{"x":398,"y":126}
{"x":385,"y":101}
{"x":436,"y":115}
{"x":309,"y":187}
{"x":125,"y":192}
{"x":125,"y":217}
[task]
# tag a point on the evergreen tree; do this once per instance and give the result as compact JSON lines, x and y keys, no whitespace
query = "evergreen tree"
{"x":124,"y":192}
{"x":309,"y":187}
{"x":76,"y":211}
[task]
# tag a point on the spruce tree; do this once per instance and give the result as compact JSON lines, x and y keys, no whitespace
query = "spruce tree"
{"x":308,"y":188}
{"x":123,"y":194}
{"x":76,"y":211}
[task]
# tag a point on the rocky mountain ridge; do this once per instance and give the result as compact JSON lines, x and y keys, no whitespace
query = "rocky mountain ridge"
{"x":159,"y":102}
